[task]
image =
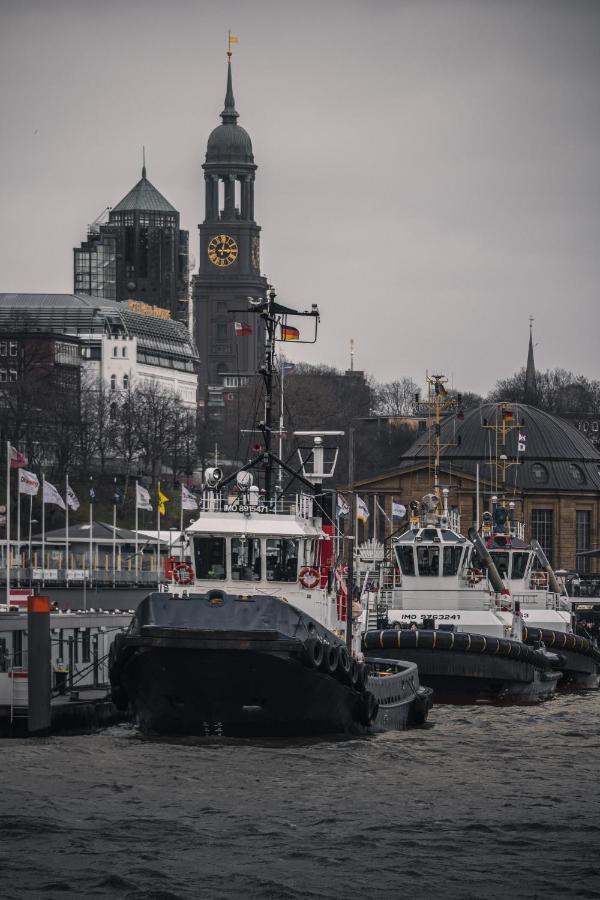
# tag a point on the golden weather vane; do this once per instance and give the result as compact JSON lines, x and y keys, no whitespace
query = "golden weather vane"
{"x":230,"y":40}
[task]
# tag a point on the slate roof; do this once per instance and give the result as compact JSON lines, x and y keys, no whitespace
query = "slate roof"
{"x":563,"y":452}
{"x":144,"y":196}
{"x":83,"y":315}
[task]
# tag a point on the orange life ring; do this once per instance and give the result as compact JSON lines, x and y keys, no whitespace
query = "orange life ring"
{"x":309,"y":577}
{"x":183,"y":573}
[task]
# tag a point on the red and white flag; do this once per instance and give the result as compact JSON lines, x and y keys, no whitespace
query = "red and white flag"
{"x":17,"y":459}
{"x":242,"y":329}
{"x":28,"y":483}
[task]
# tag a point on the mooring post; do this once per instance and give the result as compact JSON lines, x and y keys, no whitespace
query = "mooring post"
{"x":38,"y":664}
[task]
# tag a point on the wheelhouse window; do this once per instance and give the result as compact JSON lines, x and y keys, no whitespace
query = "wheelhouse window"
{"x":501,"y":562}
{"x":428,"y":560}
{"x":452,"y":557}
{"x":209,"y":557}
{"x":310,"y":553}
{"x":282,"y":559}
{"x":519,"y":564}
{"x":245,"y":559}
{"x":406,"y":560}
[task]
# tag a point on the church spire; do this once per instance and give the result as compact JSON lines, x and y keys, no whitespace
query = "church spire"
{"x":531,"y":392}
{"x":229,"y":114}
{"x":143,"y":162}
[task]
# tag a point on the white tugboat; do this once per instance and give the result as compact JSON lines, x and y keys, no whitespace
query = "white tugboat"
{"x":451,"y":610}
{"x":252,"y":633}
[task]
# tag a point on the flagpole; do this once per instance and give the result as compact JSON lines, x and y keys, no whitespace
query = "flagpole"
{"x":136,"y":531}
{"x":181,"y":516}
{"x":114,"y":548}
{"x":8,"y":455}
{"x":30,"y":554}
{"x":158,"y":536}
{"x":91,"y":562}
{"x":67,"y":529}
{"x":18,"y":531}
{"x":280,"y":472}
{"x":43,"y":530}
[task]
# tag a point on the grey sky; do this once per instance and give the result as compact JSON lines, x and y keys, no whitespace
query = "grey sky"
{"x":428,"y":171}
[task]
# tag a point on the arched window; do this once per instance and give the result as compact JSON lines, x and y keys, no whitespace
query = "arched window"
{"x":576,"y":473}
{"x":113,"y":382}
{"x":115,"y":351}
{"x":124,"y":352}
{"x":540,"y":473}
{"x":125,"y":381}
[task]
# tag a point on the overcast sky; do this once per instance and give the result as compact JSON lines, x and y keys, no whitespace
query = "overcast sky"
{"x":428,"y":171}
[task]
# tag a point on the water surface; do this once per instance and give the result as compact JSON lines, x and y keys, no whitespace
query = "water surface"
{"x":485,"y":803}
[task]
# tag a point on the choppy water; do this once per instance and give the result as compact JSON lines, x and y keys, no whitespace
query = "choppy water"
{"x":485,"y":803}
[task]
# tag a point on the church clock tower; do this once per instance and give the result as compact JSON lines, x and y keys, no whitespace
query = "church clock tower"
{"x":229,"y":269}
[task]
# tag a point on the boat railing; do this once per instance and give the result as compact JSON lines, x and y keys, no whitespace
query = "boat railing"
{"x":300,"y":505}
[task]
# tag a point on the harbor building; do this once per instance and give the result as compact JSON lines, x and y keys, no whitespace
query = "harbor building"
{"x":139,"y":253}
{"x":229,"y":269}
{"x":552,"y":477}
{"x":66,"y":337}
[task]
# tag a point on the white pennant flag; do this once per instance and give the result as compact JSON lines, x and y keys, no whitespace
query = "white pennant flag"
{"x":72,"y":500}
{"x":51,"y":495}
{"x":28,"y":483}
{"x":142,"y":498}
{"x":362,"y":510}
{"x":188,"y":501}
{"x":342,"y":508}
{"x":398,"y":510}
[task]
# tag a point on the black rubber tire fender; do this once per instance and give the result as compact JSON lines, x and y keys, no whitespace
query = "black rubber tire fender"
{"x":344,"y":664}
{"x":312,"y":653}
{"x":330,"y":659}
{"x":367,"y":707}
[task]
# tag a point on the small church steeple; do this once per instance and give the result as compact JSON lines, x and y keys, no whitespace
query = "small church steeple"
{"x":229,"y":114}
{"x":530,"y":395}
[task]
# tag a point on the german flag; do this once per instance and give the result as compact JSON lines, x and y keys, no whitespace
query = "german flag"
{"x":288,"y":333}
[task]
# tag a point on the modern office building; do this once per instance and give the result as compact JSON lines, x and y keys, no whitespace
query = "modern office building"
{"x":139,"y":253}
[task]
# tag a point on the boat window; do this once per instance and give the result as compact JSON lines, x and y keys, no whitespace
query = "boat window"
{"x":282,"y":559}
{"x":406,"y":560}
{"x":475,"y":561}
{"x":452,"y":557}
{"x":209,"y":557}
{"x":501,"y":562}
{"x":428,"y":559}
{"x":245,"y":559}
{"x":519,"y":564}
{"x":309,"y":557}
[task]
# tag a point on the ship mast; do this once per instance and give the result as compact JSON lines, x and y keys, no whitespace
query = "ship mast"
{"x":274,"y":316}
{"x":437,"y":404}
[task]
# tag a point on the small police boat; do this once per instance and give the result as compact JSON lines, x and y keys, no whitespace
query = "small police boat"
{"x":248,"y":665}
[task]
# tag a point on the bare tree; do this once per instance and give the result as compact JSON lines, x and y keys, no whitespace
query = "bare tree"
{"x":395,"y":398}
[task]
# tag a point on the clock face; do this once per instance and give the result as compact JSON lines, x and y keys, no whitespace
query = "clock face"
{"x":222,"y":250}
{"x":255,"y":253}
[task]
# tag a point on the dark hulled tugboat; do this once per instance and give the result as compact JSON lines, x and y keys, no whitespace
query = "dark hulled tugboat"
{"x":218,"y":663}
{"x":246,"y":639}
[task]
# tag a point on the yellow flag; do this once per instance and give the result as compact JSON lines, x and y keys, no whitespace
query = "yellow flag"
{"x":162,"y":499}
{"x":233,"y":40}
